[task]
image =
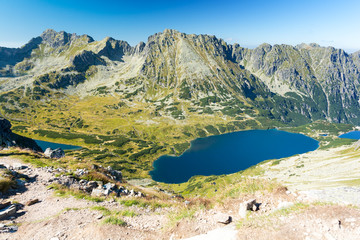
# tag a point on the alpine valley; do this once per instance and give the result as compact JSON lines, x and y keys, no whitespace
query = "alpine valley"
{"x":154,"y":98}
{"x":127,"y":106}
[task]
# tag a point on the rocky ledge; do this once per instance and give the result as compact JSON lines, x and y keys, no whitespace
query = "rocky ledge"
{"x":10,"y":139}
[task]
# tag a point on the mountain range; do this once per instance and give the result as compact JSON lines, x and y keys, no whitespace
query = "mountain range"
{"x":181,"y":75}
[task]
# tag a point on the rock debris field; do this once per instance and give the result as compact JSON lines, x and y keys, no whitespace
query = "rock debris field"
{"x":34,"y":211}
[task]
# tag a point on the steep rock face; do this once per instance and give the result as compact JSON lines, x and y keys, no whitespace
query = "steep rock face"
{"x":115,"y":49}
{"x":11,"y":56}
{"x":327,"y":77}
{"x":8,"y":139}
{"x":60,"y":39}
{"x":198,"y":64}
{"x":85,"y":59}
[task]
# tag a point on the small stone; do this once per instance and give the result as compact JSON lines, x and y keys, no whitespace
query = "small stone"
{"x":83,"y":182}
{"x":92,"y":184}
{"x":99,"y":184}
{"x":132,"y":193}
{"x":254,"y":207}
{"x":109,"y":186}
{"x":18,"y":166}
{"x":250,"y":204}
{"x":223,"y":218}
{"x":32,"y":202}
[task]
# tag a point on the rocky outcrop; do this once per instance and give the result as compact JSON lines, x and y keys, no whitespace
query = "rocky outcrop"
{"x":95,"y":188}
{"x":60,"y":39}
{"x":54,"y":153}
{"x":115,"y":49}
{"x":12,"y":56}
{"x":9,"y":139}
{"x":85,"y":59}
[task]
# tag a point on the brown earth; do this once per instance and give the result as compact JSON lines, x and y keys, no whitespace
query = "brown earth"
{"x":55,"y":217}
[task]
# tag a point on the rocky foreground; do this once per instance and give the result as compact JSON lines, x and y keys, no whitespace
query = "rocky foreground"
{"x":36,"y":208}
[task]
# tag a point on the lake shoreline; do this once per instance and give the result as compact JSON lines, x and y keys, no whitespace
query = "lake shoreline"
{"x":46,"y":144}
{"x":207,"y":144}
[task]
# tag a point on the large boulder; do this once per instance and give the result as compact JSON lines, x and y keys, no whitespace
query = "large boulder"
{"x":7,"y":212}
{"x":54,"y":153}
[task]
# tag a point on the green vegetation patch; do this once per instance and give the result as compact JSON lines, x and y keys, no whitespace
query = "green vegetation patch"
{"x":181,"y":147}
{"x":114,"y":221}
{"x":338,"y":142}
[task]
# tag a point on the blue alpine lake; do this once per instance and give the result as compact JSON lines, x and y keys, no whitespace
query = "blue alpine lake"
{"x":351,"y":135}
{"x":44,"y":145}
{"x":230,"y":153}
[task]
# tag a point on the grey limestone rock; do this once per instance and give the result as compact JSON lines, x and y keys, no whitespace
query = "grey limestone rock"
{"x":7,"y":212}
{"x":54,"y":153}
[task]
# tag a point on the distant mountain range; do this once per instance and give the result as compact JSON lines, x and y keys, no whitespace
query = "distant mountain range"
{"x":184,"y":74}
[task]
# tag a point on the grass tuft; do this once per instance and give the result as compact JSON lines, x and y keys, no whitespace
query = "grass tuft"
{"x":114,"y":221}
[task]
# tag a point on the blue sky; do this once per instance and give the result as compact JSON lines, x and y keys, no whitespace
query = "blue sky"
{"x":247,"y":22}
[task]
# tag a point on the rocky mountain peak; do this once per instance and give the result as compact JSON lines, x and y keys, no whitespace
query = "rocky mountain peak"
{"x":170,"y":31}
{"x":114,"y":49}
{"x":59,"y":39}
{"x":307,"y":46}
{"x":139,"y":47}
{"x":264,"y":47}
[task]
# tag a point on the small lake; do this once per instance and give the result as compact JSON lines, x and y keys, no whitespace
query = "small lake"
{"x":351,"y":135}
{"x":230,"y":153}
{"x":44,"y":145}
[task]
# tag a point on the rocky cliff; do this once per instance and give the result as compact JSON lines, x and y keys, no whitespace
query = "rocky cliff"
{"x":326,"y":77}
{"x":8,"y":139}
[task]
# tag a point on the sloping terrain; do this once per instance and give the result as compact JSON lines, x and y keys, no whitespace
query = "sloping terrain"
{"x":202,"y":73}
{"x":131,"y":104}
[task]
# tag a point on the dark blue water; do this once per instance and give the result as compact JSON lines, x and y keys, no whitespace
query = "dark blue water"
{"x":230,"y":153}
{"x":44,"y":145}
{"x":351,"y":135}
